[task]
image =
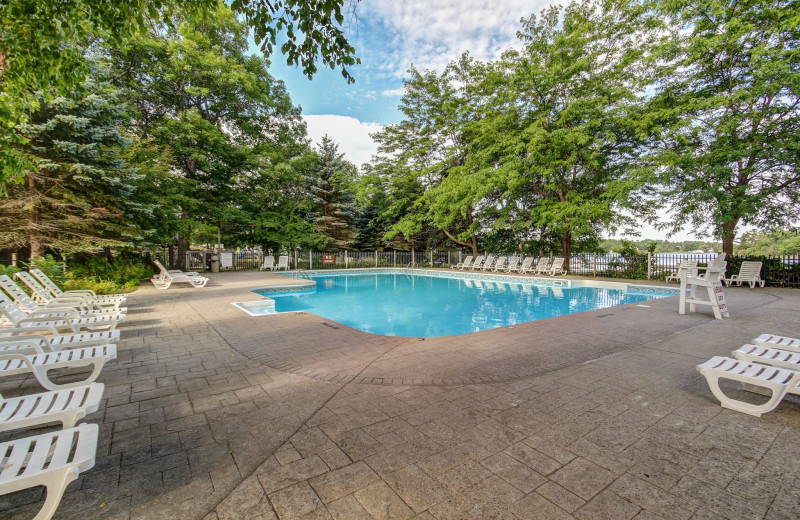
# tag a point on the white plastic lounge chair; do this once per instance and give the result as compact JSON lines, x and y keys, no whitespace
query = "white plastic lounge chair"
{"x":465,"y":263}
{"x":527,"y":265}
{"x":775,"y":341}
{"x":476,"y":264}
{"x":21,"y":341}
{"x":67,"y":406}
{"x":283,"y":263}
{"x":61,"y":320}
{"x":39,"y":364}
{"x":51,"y":459}
{"x":500,"y":264}
{"x":778,"y":381}
{"x":684,"y":265}
{"x":557,"y":267}
{"x":542,"y":266}
{"x":488,"y":263}
{"x":44,"y":297}
{"x":57,"y":292}
{"x":27,"y":304}
{"x":513,"y":263}
{"x":166,"y":278}
{"x":768,"y":356}
{"x":749,"y":272}
{"x":269,"y":263}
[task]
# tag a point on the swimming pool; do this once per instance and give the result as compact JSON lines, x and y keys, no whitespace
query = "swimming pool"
{"x":414,"y":305}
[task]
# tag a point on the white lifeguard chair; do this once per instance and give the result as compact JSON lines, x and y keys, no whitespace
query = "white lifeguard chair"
{"x":691,"y":280}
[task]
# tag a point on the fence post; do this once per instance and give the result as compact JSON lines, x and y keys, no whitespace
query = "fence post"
{"x":394,"y":258}
{"x":310,"y":260}
{"x":345,"y":259}
{"x":13,"y":259}
{"x":376,"y":258}
{"x":649,"y":264}
{"x":594,"y":264}
{"x":430,"y":258}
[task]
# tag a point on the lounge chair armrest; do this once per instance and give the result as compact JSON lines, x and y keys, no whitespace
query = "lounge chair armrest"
{"x":65,"y":313}
{"x":15,"y":331}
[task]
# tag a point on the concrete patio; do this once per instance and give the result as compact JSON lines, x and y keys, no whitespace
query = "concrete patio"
{"x":212,"y":414}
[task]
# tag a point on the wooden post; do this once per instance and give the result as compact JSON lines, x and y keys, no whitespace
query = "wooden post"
{"x":13,"y":259}
{"x":649,"y":264}
{"x":310,"y":260}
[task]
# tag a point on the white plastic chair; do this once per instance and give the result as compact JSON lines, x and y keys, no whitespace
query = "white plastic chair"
{"x":749,"y":272}
{"x":66,"y":406}
{"x":87,"y":295}
{"x":283,"y":263}
{"x":683,"y":266}
{"x":51,"y":459}
{"x":542,"y":266}
{"x":60,"y":320}
{"x":166,"y":278}
{"x":39,"y":364}
{"x":269,"y":263}
{"x":776,"y":381}
{"x":26,"y":303}
{"x":557,"y":267}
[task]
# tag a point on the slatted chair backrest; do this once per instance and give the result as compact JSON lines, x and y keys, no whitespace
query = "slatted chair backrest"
{"x":558,"y":265}
{"x":478,"y":261}
{"x":750,"y":270}
{"x":283,"y":261}
{"x":47,"y":282}
{"x":40,"y":293}
{"x":527,"y":263}
{"x":513,"y":262}
{"x":468,"y":262}
{"x":19,"y":296}
{"x":11,"y":310}
{"x":164,"y":270}
{"x":501,"y":263}
{"x":542,"y":264}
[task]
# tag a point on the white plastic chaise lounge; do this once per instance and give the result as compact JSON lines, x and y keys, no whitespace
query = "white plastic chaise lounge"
{"x":775,"y":341}
{"x":283,"y":263}
{"x":542,"y":266}
{"x":513,"y":263}
{"x":683,"y":266}
{"x":500,"y":264}
{"x":557,"y":267}
{"x":488,"y":263}
{"x":61,"y":320}
{"x":27,"y":304}
{"x":527,"y":265}
{"x":39,"y":364}
{"x":166,"y":278}
{"x":464,"y":263}
{"x":778,"y":381}
{"x":44,"y":296}
{"x":749,"y":272}
{"x":66,"y":406}
{"x":85,"y":293}
{"x":476,"y":264}
{"x":51,"y":459}
{"x":20,"y":340}
{"x":269,"y":263}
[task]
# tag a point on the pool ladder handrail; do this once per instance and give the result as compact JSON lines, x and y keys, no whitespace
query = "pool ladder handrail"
{"x":298,"y":273}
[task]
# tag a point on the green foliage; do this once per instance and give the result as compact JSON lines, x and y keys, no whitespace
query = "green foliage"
{"x":43,"y":44}
{"x":330,"y":187}
{"x":100,"y":273}
{"x":727,"y":103}
{"x":776,"y":243}
{"x":83,"y":192}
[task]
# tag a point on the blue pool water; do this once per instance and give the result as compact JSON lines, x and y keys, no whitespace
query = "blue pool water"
{"x":427,"y":306}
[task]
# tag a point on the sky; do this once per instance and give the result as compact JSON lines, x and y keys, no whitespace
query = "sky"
{"x":390,"y":36}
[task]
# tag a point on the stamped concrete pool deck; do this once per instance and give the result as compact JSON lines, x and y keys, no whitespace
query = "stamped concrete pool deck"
{"x":212,"y":414}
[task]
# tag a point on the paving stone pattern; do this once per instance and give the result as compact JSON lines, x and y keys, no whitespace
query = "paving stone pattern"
{"x":213,"y":414}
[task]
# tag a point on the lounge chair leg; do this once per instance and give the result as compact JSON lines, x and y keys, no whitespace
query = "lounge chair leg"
{"x":56,"y":485}
{"x":740,"y":406}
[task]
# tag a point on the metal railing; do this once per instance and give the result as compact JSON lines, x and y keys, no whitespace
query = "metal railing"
{"x":777,"y":271}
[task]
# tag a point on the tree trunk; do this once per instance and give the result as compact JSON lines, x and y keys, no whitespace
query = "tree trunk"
{"x":728,"y":234}
{"x":183,"y":246}
{"x":36,"y":245}
{"x":566,"y":248}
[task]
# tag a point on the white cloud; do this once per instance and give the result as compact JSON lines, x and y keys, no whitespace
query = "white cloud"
{"x":392,"y":92}
{"x":431,"y":34}
{"x":349,"y":133}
